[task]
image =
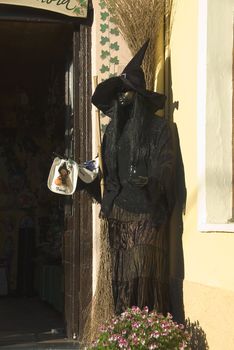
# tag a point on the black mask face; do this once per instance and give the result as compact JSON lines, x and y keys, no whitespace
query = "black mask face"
{"x":125,"y":98}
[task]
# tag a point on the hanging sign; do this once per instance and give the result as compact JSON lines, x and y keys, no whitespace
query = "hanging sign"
{"x":73,"y":8}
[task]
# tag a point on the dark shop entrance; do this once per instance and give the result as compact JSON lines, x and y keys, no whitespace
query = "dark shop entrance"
{"x":44,"y":108}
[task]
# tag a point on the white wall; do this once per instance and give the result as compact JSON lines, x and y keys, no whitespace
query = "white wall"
{"x":123,"y":54}
{"x":219,"y":111}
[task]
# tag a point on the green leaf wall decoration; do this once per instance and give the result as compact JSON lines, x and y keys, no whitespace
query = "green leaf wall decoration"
{"x":102,"y":4}
{"x":114,"y":31}
{"x":104,"y":15}
{"x":104,"y":27}
{"x":114,"y":46}
{"x":104,"y":40}
{"x":114,"y":60}
{"x":104,"y":69}
{"x":77,"y":10}
{"x":109,"y":33}
{"x":113,"y":20}
{"x":83,"y":3}
{"x":104,"y":54}
{"x":103,"y":128}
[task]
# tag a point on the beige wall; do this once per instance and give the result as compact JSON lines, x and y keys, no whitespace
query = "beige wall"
{"x":209,"y":258}
{"x":214,"y":309}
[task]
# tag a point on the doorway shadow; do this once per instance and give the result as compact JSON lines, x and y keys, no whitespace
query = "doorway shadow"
{"x":29,"y":321}
{"x":176,"y":257}
{"x":198,"y":340}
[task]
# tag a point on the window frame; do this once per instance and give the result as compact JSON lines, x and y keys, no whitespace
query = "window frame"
{"x":203,"y":224}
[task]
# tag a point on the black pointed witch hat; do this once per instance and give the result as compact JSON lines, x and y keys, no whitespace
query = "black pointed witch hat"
{"x":133,"y":72}
{"x":131,"y":79}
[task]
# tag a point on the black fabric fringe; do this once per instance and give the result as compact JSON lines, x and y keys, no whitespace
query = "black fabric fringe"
{"x":139,"y":252}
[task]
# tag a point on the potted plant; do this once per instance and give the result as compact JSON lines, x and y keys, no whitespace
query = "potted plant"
{"x":141,"y":330}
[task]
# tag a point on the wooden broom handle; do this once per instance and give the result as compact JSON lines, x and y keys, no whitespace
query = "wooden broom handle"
{"x":99,"y":139}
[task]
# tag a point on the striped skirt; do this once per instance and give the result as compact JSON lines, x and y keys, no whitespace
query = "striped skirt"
{"x":140,"y":261}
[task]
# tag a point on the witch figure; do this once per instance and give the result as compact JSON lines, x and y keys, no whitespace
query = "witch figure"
{"x":138,"y":167}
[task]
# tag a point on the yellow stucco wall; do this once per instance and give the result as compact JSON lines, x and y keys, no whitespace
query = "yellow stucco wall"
{"x":209,"y":258}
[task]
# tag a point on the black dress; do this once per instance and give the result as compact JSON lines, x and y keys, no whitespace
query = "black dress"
{"x":138,"y":218}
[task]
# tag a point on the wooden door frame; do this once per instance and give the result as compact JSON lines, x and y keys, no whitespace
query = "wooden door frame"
{"x":78,"y":289}
{"x":78,"y":226}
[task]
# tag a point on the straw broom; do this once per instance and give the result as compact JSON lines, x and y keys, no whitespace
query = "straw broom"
{"x":139,"y":20}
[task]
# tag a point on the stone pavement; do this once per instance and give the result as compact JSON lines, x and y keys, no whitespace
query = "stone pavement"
{"x":28,"y":323}
{"x":42,"y":346}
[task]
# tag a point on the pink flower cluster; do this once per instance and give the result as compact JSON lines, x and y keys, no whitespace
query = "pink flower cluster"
{"x":137,"y":329}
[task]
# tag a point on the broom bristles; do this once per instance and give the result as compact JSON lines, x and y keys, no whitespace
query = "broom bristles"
{"x":101,"y":308}
{"x":138,"y":21}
